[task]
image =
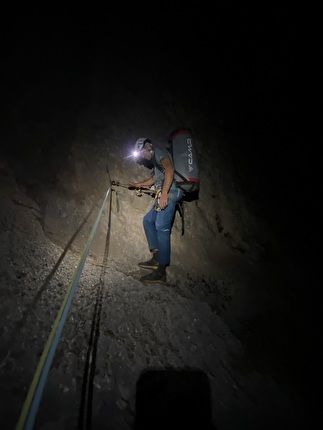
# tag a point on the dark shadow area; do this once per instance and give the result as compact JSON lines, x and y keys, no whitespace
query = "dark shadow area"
{"x":44,"y":90}
{"x":191,"y":196}
{"x":146,"y":163}
{"x":173,"y":399}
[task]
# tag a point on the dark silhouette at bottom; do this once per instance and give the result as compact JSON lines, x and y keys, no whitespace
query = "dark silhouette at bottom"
{"x":173,"y":399}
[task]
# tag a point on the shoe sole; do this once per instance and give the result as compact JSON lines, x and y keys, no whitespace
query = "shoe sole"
{"x":143,"y":266}
{"x":159,"y":281}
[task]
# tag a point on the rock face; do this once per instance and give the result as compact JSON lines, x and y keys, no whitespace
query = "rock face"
{"x":218,"y":346}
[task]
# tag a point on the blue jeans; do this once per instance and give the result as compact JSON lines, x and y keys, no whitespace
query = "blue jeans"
{"x":158,"y":226}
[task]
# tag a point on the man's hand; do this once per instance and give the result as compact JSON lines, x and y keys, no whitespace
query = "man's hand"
{"x":137,"y":185}
{"x":163,"y":200}
{"x":134,"y":184}
{"x":143,"y":184}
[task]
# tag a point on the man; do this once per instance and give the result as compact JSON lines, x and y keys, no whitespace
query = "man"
{"x":158,"y":221}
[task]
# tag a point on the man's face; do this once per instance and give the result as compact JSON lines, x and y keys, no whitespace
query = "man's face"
{"x":146,"y":152}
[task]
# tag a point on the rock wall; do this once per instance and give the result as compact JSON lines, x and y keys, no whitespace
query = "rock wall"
{"x":236,"y":305}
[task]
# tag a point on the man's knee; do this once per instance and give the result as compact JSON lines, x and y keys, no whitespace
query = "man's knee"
{"x":162,"y":228}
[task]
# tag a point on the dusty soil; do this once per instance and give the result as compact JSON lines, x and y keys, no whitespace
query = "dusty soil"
{"x":129,"y":354}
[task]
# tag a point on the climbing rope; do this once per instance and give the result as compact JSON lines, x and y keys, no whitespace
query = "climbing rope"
{"x":85,"y":410}
{"x":34,"y":395}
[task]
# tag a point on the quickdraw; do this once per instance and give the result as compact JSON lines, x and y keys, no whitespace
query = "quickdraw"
{"x":157,"y":196}
{"x":138,"y":191}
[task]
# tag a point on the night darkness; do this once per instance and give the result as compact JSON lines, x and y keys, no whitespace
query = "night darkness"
{"x":243,"y":68}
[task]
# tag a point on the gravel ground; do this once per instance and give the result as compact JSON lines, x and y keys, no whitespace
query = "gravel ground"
{"x":125,"y":347}
{"x":131,"y":355}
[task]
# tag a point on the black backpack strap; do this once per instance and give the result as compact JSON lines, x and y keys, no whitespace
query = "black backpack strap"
{"x":180,"y":208}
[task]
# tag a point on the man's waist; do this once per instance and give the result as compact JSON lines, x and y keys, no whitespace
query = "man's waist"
{"x":159,"y":186}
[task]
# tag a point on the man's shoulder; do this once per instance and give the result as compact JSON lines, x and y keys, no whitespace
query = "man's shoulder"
{"x":161,"y":153}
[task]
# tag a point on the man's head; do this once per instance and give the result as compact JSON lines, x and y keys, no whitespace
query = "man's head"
{"x":143,"y":149}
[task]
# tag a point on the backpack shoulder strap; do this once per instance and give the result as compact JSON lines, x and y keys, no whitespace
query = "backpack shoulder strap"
{"x":180,"y":209}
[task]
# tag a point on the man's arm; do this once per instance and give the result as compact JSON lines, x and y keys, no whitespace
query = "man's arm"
{"x":169,"y":177}
{"x":144,"y":184}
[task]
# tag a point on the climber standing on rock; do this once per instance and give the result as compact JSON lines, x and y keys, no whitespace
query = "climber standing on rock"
{"x":159,"y":219}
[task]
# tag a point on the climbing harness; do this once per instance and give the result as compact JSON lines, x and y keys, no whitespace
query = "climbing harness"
{"x":154,"y":191}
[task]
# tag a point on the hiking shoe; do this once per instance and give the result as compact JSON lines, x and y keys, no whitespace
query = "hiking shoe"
{"x":155,"y":276}
{"x":150,"y":264}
